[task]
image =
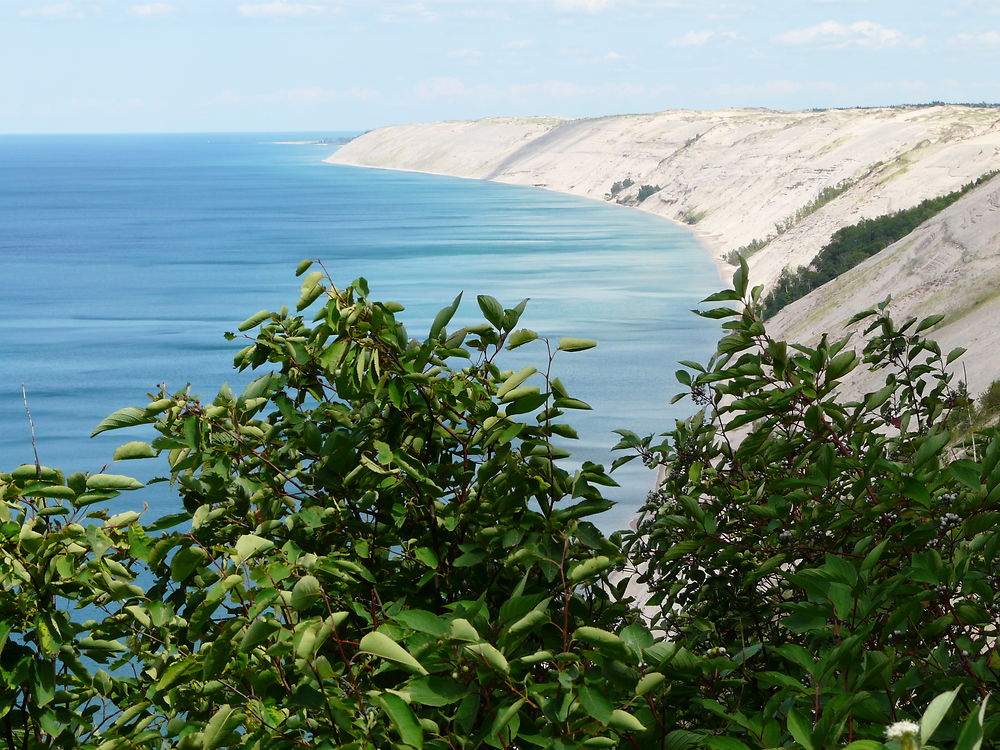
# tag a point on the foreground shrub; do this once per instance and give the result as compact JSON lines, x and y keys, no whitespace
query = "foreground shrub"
{"x":835,"y":561}
{"x":377,"y":548}
{"x":378,"y":544}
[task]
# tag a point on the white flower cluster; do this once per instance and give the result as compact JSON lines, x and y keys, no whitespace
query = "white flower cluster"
{"x":901,"y":730}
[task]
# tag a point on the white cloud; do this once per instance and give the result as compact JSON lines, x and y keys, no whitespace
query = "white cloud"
{"x":150,"y":10}
{"x":986,"y":39}
{"x":281,"y":9}
{"x":836,"y":35}
{"x":698,"y":38}
{"x":56,"y":12}
{"x":408,"y":13}
{"x":485,"y":14}
{"x":608,"y":58}
{"x":521,"y":44}
{"x":584,"y":6}
{"x":468,"y":55}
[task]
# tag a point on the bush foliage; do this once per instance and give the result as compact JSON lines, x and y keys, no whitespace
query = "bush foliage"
{"x":379,"y":544}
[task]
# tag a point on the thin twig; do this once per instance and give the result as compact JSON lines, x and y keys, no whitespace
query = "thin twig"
{"x":31,"y":424}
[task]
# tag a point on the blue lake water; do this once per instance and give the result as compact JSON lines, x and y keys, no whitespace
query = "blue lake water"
{"x":124,"y":258}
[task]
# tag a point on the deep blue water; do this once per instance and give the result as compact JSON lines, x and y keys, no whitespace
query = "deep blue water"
{"x":124,"y":258}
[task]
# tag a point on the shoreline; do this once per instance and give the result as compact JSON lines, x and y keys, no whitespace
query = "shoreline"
{"x":780,"y":182}
{"x":702,"y":238}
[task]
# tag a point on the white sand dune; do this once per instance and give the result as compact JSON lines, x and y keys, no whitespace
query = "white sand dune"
{"x":950,"y":265}
{"x":735,"y":176}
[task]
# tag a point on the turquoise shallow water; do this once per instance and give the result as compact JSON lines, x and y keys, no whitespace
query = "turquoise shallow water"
{"x":124,"y":258}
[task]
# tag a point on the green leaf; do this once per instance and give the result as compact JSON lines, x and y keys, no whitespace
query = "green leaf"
{"x":803,"y":622}
{"x":916,"y":491}
{"x":724,"y":743}
{"x":131,"y":713}
{"x":436,"y":690}
{"x":254,"y":320}
{"x":649,"y":681}
{"x":125,"y":518}
{"x":520,"y":337}
{"x":864,"y":745}
{"x":971,"y":735}
{"x":133,"y":450}
{"x":840,"y":365}
{"x":249,"y":545}
{"x":305,"y":592}
{"x":935,"y":713}
{"x":310,"y":294}
{"x":130,"y":416}
{"x":115,"y":482}
{"x":800,"y":729}
{"x":214,"y":734}
{"x":504,"y":717}
{"x":717,"y":313}
{"x":530,"y":621}
{"x":43,"y":686}
{"x":512,"y":382}
{"x":303,"y":266}
{"x":595,"y":703}
{"x":443,"y":317}
{"x":422,"y":621}
{"x":588,"y":568}
{"x":625,"y":722}
{"x":490,"y":655}
{"x":185,"y":561}
{"x":966,"y":472}
{"x":492,"y":310}
{"x":257,"y":631}
{"x":726,"y":295}
{"x":54,"y":491}
{"x":596,"y":636}
{"x":98,"y":644}
{"x":930,"y":447}
{"x":380,"y":645}
{"x":879,"y":397}
{"x":843,"y":600}
{"x":520,"y":392}
{"x":741,"y":278}
{"x":571,"y":403}
{"x":404,"y":720}
{"x":427,"y":556}
{"x":172,"y":674}
{"x":30,"y":472}
{"x":929,"y":322}
{"x":569,"y":344}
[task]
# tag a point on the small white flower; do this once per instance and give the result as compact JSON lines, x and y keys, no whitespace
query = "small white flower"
{"x":902,"y":730}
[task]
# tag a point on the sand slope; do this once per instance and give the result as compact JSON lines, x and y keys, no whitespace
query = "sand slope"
{"x":738,"y":173}
{"x":950,"y":265}
{"x":734,"y":175}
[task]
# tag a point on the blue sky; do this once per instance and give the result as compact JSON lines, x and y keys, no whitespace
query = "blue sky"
{"x":77,"y":66}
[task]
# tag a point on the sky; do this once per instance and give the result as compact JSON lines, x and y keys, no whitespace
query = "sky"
{"x":93,"y":66}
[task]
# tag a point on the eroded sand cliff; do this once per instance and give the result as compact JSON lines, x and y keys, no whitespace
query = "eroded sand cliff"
{"x":736,"y":176}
